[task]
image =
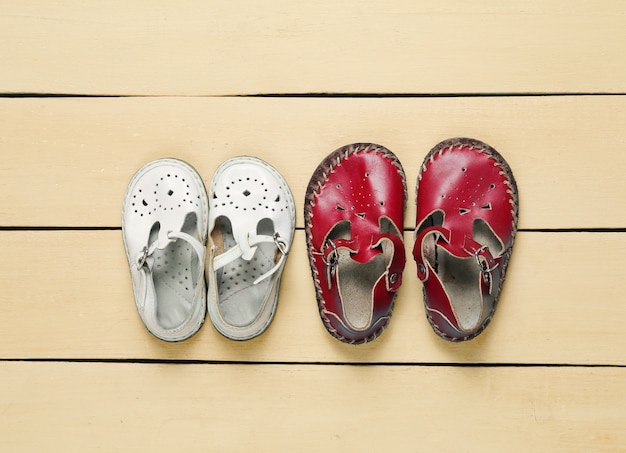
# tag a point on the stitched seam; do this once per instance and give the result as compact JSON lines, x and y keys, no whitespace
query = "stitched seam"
{"x":313,"y":190}
{"x":509,"y":181}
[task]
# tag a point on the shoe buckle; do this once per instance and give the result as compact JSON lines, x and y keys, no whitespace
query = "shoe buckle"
{"x":331,"y":261}
{"x":280,"y":244}
{"x":143,"y":256}
{"x":146,"y":252}
{"x":484,"y":265}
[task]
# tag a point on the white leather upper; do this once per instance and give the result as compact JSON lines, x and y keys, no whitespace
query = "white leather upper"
{"x":251,"y":228}
{"x":164,"y":223}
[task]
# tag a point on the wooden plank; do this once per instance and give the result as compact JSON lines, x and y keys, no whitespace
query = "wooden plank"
{"x":66,"y":162}
{"x":68,"y":295}
{"x":90,"y":406}
{"x":243,"y":46}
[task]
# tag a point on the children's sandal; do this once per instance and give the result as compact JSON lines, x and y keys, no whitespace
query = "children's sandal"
{"x":164,"y":227}
{"x":353,"y":214}
{"x":251,"y":228}
{"x":467,"y":208}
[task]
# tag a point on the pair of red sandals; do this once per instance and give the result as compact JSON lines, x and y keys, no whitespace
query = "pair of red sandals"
{"x":467,"y":209}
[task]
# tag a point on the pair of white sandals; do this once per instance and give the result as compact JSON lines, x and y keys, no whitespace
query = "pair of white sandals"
{"x":248,"y":220}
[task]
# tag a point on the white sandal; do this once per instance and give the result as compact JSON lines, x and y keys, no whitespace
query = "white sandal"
{"x":251,"y":228}
{"x":164,"y":225}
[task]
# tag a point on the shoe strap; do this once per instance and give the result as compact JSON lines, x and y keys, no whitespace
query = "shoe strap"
{"x":246,"y":247}
{"x":393,"y":272}
{"x":465,"y":248}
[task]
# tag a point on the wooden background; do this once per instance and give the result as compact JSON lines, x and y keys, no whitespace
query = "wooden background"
{"x":90,"y":91}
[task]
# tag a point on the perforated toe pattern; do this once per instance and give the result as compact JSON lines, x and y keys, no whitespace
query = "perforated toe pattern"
{"x":249,"y":193}
{"x":164,"y":192}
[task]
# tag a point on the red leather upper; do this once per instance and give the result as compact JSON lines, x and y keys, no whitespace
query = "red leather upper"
{"x":466,"y":184}
{"x":465,"y":180}
{"x":360,"y":184}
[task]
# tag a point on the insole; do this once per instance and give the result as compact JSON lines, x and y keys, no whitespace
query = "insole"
{"x":240,"y":300}
{"x":175,"y":287}
{"x":356,"y":283}
{"x":460,"y":278}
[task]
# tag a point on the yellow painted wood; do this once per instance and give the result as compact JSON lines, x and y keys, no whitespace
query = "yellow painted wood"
{"x":68,"y":295}
{"x":67,"y":162}
{"x":244,"y":46}
{"x":111,"y":407}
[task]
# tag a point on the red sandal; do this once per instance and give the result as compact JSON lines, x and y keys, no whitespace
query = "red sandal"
{"x":467,"y":207}
{"x":354,"y":208}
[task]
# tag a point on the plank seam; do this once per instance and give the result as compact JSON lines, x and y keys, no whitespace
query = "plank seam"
{"x":316,"y":95}
{"x":136,"y":361}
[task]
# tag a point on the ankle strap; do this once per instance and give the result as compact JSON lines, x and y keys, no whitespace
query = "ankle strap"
{"x":246,"y":248}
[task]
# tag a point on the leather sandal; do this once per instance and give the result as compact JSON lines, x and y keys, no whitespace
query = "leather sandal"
{"x":164,"y":227}
{"x":467,"y":209}
{"x":353,"y":215}
{"x":251,"y":228}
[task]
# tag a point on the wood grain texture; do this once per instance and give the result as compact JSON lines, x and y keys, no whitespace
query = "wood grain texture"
{"x":85,"y":407}
{"x":68,"y":295}
{"x":244,"y":47}
{"x":541,"y":81}
{"x":67,"y":162}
